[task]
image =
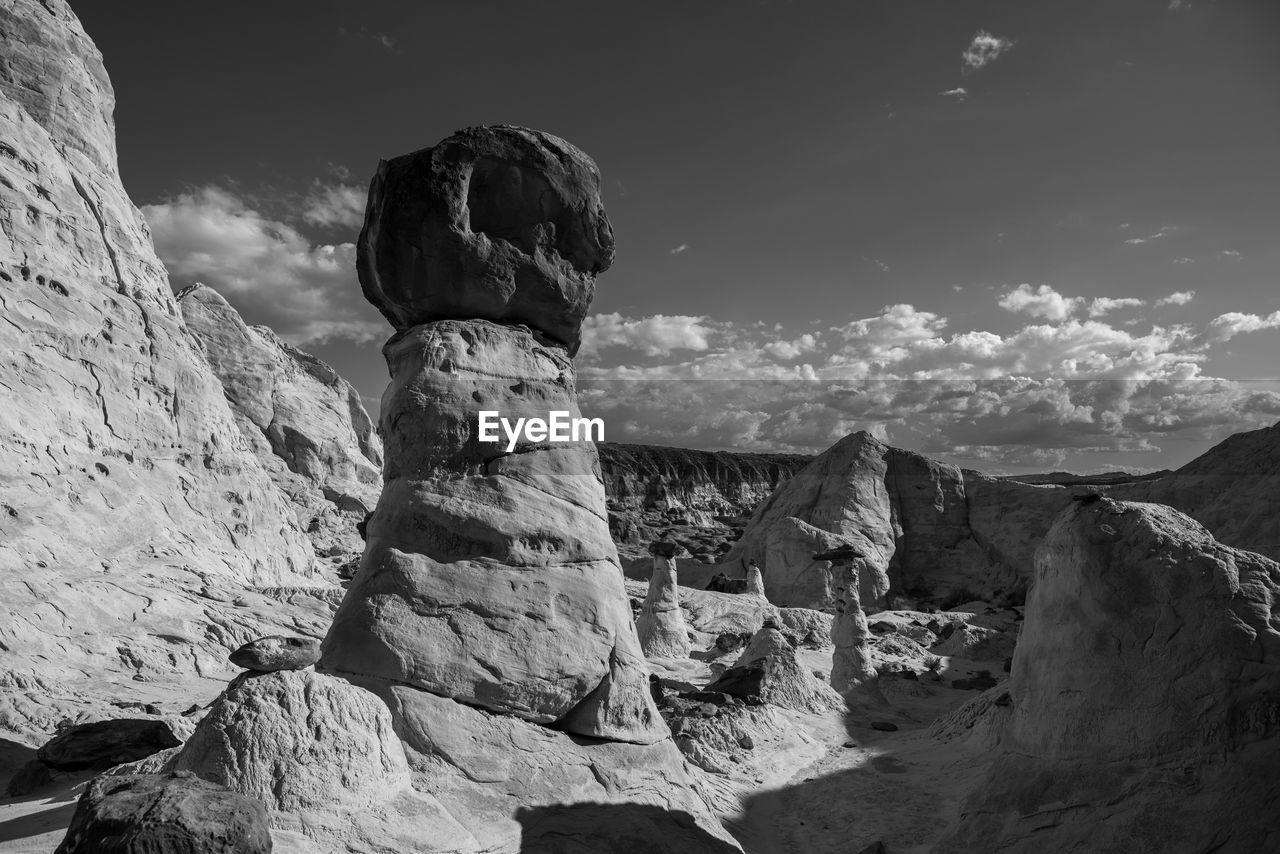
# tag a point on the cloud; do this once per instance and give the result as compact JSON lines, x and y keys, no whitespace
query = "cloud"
{"x":681,"y":248}
{"x":335,"y":205}
{"x":657,"y":335}
{"x":984,"y":49}
{"x":307,"y":292}
{"x":1042,"y":302}
{"x":884,"y":268}
{"x":1164,"y":231}
{"x":1106,"y":305}
{"x":1045,"y":395}
{"x":1224,"y":327}
{"x":1230,"y":254}
{"x":1176,"y":298}
{"x":959,"y":93}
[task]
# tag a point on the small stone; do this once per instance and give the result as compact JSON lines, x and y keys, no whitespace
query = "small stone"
{"x":849,"y":744}
{"x":746,"y":742}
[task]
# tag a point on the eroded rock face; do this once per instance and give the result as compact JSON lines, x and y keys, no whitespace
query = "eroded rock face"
{"x":127,"y":489}
{"x":297,"y":740}
{"x":305,"y":424}
{"x":925,"y":528}
{"x":1144,"y":713}
{"x":497,"y":223}
{"x":170,"y":813}
{"x":661,"y":622}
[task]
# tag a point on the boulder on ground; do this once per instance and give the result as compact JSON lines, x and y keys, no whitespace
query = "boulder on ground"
{"x":101,"y":744}
{"x":174,"y":813}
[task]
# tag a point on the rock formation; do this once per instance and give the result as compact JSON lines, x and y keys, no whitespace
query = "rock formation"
{"x":489,"y":576}
{"x":305,"y":424}
{"x":852,"y":673}
{"x":755,"y":581}
{"x":1144,"y":694}
{"x":269,"y":654}
{"x":128,"y":490}
{"x":768,"y":673}
{"x":170,"y":813}
{"x":926,"y":528}
{"x":660,"y":626}
{"x":489,"y":602}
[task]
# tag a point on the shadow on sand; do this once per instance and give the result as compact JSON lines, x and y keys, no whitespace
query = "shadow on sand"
{"x":594,"y":828}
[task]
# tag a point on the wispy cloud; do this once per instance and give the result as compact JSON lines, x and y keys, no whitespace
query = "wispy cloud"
{"x":1162,"y":233}
{"x":984,"y":49}
{"x":1105,"y":305}
{"x":683,"y":247}
{"x":959,"y":93}
{"x":339,"y":205}
{"x":883,"y":267}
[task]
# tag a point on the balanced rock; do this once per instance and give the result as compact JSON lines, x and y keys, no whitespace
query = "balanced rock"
{"x":277,"y":652}
{"x":165,"y":814}
{"x":661,"y":626}
{"x":852,"y":673}
{"x":494,"y":223}
{"x":768,"y":673}
{"x":101,"y":744}
{"x":1143,"y":694}
{"x":489,"y":576}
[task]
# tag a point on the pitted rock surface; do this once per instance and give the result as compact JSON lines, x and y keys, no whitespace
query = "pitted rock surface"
{"x":495,"y":223}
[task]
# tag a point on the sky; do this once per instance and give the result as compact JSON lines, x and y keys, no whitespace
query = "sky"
{"x":1016,"y":236}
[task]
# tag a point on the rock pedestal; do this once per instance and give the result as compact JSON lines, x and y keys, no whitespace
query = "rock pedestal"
{"x":489,"y":576}
{"x":661,"y":624}
{"x":755,"y":582}
{"x":851,"y":671}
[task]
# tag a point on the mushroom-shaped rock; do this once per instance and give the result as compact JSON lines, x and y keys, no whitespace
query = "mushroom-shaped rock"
{"x":755,"y":582}
{"x":1143,"y":694}
{"x":661,"y":624}
{"x":768,"y":672}
{"x":171,"y":813}
{"x":277,"y":652}
{"x":497,"y":223}
{"x":852,"y":673}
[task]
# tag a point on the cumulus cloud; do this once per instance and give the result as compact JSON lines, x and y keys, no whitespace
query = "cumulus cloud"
{"x":307,"y":292}
{"x":1224,"y":327}
{"x":959,"y":93}
{"x":1176,"y":298}
{"x":656,"y":335}
{"x":984,"y":49}
{"x":1040,"y":396}
{"x":1044,"y":302}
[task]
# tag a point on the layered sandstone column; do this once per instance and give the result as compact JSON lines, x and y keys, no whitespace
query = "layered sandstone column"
{"x":489,"y":576}
{"x":851,"y":671}
{"x":661,"y":622}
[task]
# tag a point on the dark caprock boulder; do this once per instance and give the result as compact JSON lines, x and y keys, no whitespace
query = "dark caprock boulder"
{"x":165,"y":814}
{"x":276,"y":652}
{"x":102,"y":744}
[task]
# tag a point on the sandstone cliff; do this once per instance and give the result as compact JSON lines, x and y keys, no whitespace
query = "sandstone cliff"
{"x":306,"y":425}
{"x":1141,"y":713}
{"x":126,"y":488}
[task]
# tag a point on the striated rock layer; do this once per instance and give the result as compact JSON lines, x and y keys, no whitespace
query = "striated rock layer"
{"x":1144,"y":695}
{"x":127,"y":492}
